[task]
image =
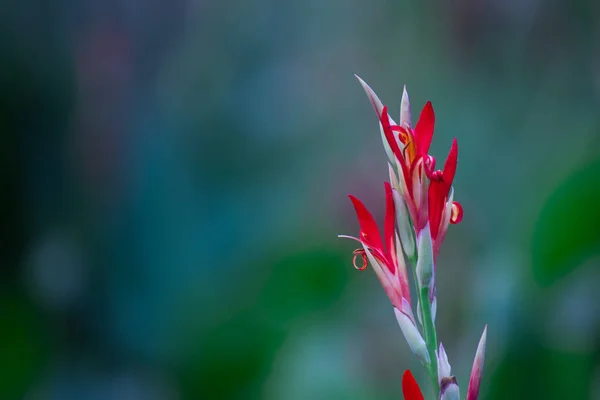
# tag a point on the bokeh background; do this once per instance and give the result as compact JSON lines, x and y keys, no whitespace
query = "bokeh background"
{"x":174,"y":174}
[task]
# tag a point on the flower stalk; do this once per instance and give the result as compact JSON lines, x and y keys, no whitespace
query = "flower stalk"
{"x":419,"y":206}
{"x":430,"y":338}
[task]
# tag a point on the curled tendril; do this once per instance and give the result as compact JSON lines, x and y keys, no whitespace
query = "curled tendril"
{"x":363,"y":254}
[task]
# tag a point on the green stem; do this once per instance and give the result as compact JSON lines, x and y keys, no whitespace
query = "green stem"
{"x":430,"y":338}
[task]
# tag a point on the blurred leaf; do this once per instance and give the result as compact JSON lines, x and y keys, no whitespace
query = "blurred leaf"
{"x":534,"y":372}
{"x":302,"y":283}
{"x":21,"y":348}
{"x":567,"y":230}
{"x":231,"y":360}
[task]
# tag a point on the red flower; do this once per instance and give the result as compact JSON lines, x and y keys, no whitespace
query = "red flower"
{"x":410,"y":388}
{"x":427,"y":193}
{"x":390,"y":269}
{"x":442,"y":209}
{"x":414,"y":164}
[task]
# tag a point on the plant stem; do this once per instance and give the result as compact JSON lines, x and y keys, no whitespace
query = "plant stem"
{"x":430,"y":338}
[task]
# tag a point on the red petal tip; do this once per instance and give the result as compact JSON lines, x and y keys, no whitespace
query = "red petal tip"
{"x":369,"y":233}
{"x":410,"y":388}
{"x":424,"y":129}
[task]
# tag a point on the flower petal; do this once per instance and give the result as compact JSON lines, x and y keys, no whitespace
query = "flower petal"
{"x":450,"y":164}
{"x":413,"y":337}
{"x":389,"y":224}
{"x":477,"y":369}
{"x":424,"y":129}
{"x":405,"y":227}
{"x":410,"y":387}
{"x":387,"y":279}
{"x":369,"y":233}
{"x":377,"y":105}
{"x":435,"y":199}
{"x":405,"y":110}
{"x":384,"y":119}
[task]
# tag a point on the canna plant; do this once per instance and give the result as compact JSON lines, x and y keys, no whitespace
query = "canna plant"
{"x":419,"y":207}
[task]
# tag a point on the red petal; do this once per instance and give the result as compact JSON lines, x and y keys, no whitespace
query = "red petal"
{"x":450,"y":164}
{"x":389,"y":134}
{"x":424,"y":129}
{"x":436,"y":196}
{"x":438,"y":190}
{"x":410,"y":388}
{"x":369,"y":233}
{"x":389,"y":227}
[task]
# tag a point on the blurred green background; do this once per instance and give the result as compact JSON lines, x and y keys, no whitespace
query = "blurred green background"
{"x":174,"y":175}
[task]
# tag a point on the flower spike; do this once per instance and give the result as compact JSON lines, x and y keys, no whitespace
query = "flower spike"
{"x":419,"y":207}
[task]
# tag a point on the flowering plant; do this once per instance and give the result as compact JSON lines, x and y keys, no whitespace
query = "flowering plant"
{"x":420,"y":206}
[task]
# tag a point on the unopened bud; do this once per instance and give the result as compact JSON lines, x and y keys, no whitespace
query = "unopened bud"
{"x":444,"y":369}
{"x":425,"y":260}
{"x":413,"y":337}
{"x":449,"y":389}
{"x":476,"y":371}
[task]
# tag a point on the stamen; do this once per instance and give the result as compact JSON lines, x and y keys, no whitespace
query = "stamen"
{"x":363,"y":254}
{"x":405,"y":149}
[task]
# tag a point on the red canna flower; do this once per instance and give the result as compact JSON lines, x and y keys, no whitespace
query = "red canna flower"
{"x":388,"y":265}
{"x":427,"y":193}
{"x":442,"y":209}
{"x":410,"y":388}
{"x":413,"y":161}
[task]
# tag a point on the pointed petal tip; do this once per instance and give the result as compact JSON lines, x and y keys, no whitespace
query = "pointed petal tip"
{"x":483,"y":339}
{"x":410,"y":387}
{"x":477,"y":369}
{"x":424,"y":128}
{"x":405,"y":96}
{"x":377,"y":104}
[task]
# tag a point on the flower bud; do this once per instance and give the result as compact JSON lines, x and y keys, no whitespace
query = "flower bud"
{"x":425,"y":260}
{"x":411,"y":334}
{"x":476,"y":371}
{"x":444,"y":368}
{"x":449,"y":389}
